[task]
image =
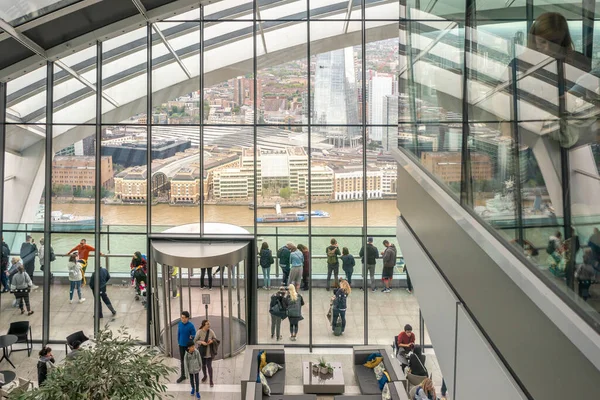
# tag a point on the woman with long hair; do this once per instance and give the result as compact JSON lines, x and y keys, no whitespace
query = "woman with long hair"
{"x":266,"y":260}
{"x":425,"y":391}
{"x":204,"y":338}
{"x":21,"y":286}
{"x":277,"y":309}
{"x":294,"y":310}
{"x":340,"y":304}
{"x":45,"y":364}
{"x":348,"y":264}
{"x":549,"y":34}
{"x":305,"y":266}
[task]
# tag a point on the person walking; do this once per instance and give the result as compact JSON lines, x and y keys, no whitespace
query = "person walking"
{"x":305,"y":266}
{"x":389,"y":262}
{"x":185,"y":332}
{"x":369,"y":260}
{"x":83,"y":252}
{"x":28,"y":253}
{"x":21,"y":286}
{"x":348,"y":264}
{"x":266,"y":260}
{"x":173,"y":271}
{"x":340,"y":304}
{"x":205,"y":338}
{"x":294,"y":303}
{"x":193,"y":363}
{"x":45,"y":364}
{"x":333,"y":264}
{"x":296,"y":263}
{"x":283,"y":254}
{"x":278,"y":311}
{"x":4,"y":267}
{"x":104,"y":278}
{"x":74,"y":278}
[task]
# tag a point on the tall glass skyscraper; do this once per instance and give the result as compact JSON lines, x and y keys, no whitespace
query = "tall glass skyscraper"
{"x":336,"y":97}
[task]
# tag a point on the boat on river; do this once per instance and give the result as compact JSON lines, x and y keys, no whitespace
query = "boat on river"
{"x":314,"y":213}
{"x":287,"y":217}
{"x":67,"y":222}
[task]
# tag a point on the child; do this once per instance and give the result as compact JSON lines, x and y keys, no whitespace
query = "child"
{"x":193,"y":364}
{"x":45,"y":364}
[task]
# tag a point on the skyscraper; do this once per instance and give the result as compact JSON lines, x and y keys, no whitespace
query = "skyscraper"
{"x":389,"y":139}
{"x":379,"y":88}
{"x":336,"y":97}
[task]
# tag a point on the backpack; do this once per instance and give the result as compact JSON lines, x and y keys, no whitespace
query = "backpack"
{"x":551,"y":247}
{"x":331,"y":256}
{"x":52,"y":255}
{"x":337,"y":329}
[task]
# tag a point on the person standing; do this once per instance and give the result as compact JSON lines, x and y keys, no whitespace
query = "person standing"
{"x":83,"y":252}
{"x":294,"y":303}
{"x":45,"y":364}
{"x":173,"y":271}
{"x":389,"y":262}
{"x":283,"y":254}
{"x":21,"y":286}
{"x":305,"y":266}
{"x":74,"y":278}
{"x":42,"y":252}
{"x":340,"y":304}
{"x":333,"y":264}
{"x":277,"y":309}
{"x":296,"y":263}
{"x":104,"y":278}
{"x":193,"y":363}
{"x":185,"y":332}
{"x":369,"y":261}
{"x":266,"y":259}
{"x":348,"y":264}
{"x":4,"y":267}
{"x":205,"y":338}
{"x":28,"y":253}
{"x":203,"y":272}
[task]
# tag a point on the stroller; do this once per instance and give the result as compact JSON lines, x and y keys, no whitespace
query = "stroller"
{"x":140,"y":275}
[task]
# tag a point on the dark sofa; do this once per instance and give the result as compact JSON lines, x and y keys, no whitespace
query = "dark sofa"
{"x":254,"y":392}
{"x":365,"y":377}
{"x":250,"y":368}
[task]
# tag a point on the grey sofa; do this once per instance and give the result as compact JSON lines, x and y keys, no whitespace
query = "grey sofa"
{"x":275,"y":353}
{"x":254,"y":392}
{"x":397,"y":390}
{"x":369,"y":387}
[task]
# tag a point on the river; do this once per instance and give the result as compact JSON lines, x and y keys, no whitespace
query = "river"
{"x":345,"y":224}
{"x":380,"y":213}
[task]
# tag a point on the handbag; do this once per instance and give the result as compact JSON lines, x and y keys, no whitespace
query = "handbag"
{"x":330,"y":313}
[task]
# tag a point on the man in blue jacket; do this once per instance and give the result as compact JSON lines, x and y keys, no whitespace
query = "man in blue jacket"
{"x":104,"y":278}
{"x":186,"y":331}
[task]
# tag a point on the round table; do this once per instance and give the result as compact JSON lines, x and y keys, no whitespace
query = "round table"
{"x":9,"y":376}
{"x":5,"y":342}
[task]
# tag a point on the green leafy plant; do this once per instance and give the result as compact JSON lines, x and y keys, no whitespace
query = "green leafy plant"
{"x":116,"y":368}
{"x":322,"y":362}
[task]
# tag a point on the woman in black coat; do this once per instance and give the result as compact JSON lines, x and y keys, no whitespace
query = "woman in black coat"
{"x":277,"y":308}
{"x":45,"y":364}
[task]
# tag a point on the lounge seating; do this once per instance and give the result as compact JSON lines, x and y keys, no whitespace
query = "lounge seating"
{"x":16,"y":387}
{"x":397,"y":390}
{"x":77,"y":336}
{"x":275,"y":353}
{"x":254,"y":392}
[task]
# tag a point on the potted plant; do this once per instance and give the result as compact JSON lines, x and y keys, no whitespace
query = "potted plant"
{"x":329,"y":369}
{"x":105,"y":372}
{"x":323,"y":366}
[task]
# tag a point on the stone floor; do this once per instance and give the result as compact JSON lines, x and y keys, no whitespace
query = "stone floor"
{"x":388,"y":312}
{"x":227,"y":372}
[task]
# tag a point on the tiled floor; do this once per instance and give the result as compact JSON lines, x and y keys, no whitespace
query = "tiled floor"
{"x":388,"y":312}
{"x":227,"y":372}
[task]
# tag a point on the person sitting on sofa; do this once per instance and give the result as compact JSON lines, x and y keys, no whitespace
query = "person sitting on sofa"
{"x":424,"y":391}
{"x":416,"y":362}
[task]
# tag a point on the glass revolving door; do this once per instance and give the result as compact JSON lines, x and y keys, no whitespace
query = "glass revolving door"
{"x":220,"y":299}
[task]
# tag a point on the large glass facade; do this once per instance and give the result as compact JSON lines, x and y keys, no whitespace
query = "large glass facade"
{"x":500,"y":107}
{"x":278,"y":118}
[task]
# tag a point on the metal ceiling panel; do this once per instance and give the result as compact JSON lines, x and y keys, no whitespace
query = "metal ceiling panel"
{"x":12,"y":51}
